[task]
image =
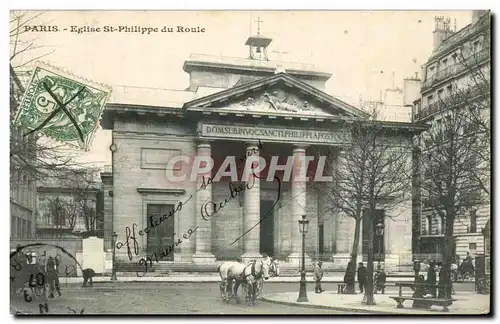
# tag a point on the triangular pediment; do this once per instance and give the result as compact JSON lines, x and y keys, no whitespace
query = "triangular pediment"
{"x":278,"y":94}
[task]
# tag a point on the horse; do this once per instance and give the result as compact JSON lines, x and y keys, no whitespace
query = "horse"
{"x":247,"y":274}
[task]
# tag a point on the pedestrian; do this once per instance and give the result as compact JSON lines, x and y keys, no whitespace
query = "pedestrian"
{"x":380,"y":281}
{"x":431,"y":278}
{"x":350,"y":278}
{"x":51,"y":276}
{"x":88,"y":274}
{"x":362,"y":277}
{"x":57,"y":262}
{"x":318,"y":275}
{"x":468,"y":258}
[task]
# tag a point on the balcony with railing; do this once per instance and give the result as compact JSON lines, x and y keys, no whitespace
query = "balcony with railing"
{"x":457,"y":68}
{"x":453,"y":100}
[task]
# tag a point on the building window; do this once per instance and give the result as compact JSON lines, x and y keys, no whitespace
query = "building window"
{"x":475,"y":46}
{"x":439,"y":229}
{"x":473,"y":221}
{"x":18,"y":227}
{"x":449,"y":89}
{"x":13,"y":227}
{"x":429,"y":224}
{"x":429,"y":99}
{"x":440,"y":94}
{"x":445,"y":63}
{"x":454,"y":57}
{"x":472,"y":248}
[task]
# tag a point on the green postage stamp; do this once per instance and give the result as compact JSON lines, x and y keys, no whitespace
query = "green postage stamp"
{"x":62,"y":106}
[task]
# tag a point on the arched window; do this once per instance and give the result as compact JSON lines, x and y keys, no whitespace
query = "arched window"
{"x":439,"y":221}
{"x":472,"y":220}
{"x":429,"y":224}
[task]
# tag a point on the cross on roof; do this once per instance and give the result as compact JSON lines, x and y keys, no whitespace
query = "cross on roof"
{"x":258,"y":21}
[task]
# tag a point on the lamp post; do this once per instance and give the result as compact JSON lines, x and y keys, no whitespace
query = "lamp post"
{"x":113,"y":269}
{"x":303,"y":227}
{"x":368,"y":298}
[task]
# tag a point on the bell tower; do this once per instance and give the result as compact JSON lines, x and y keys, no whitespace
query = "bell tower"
{"x":257,"y":45}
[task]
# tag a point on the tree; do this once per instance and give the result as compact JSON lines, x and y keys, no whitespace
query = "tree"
{"x":475,"y":97}
{"x":70,"y":196}
{"x":372,"y":171}
{"x":455,"y":152}
{"x":31,"y":155}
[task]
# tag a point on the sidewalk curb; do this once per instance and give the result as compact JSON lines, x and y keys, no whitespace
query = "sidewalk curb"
{"x":337,"y":308}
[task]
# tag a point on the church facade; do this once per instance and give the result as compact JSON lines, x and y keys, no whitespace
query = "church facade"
{"x":232,"y":108}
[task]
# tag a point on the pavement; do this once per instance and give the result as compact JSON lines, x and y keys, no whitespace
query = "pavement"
{"x":195,"y":298}
{"x":466,"y":303}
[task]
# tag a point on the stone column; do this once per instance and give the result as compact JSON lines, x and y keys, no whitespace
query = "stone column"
{"x":251,"y":212}
{"x":203,"y":236}
{"x":298,"y":202}
{"x":344,"y":227}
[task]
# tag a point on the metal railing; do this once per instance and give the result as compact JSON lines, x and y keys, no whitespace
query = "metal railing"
{"x":451,"y":101}
{"x":456,"y":68}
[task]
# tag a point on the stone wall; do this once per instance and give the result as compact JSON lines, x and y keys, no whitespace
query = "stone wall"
{"x":133,"y":171}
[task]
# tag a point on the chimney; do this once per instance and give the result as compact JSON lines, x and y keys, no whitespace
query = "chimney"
{"x":411,"y":90}
{"x":442,"y":30}
{"x":476,"y":14}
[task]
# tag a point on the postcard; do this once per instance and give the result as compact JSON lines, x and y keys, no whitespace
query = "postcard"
{"x":250,"y":162}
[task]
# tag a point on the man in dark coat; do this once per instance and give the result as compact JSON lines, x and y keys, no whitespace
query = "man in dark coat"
{"x":88,"y":274}
{"x":380,"y":280}
{"x":362,"y":276}
{"x":350,"y":278}
{"x":318,"y":275}
{"x":52,"y":276}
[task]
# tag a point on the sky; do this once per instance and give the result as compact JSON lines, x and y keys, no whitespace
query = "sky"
{"x":366,"y":51}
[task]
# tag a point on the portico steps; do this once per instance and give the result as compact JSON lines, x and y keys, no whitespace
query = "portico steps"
{"x":175,"y":268}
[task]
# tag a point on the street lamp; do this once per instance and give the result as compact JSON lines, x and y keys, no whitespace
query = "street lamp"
{"x":113,"y":269}
{"x":303,"y":227}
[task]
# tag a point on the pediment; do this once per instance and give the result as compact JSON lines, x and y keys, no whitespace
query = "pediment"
{"x":280,"y":94}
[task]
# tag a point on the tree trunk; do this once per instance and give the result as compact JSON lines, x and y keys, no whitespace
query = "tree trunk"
{"x":448,"y":254}
{"x":350,"y":287}
{"x":368,"y":299}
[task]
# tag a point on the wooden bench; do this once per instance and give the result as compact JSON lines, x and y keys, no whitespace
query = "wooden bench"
{"x":444,"y":302}
{"x":341,"y":287}
{"x":431,"y":301}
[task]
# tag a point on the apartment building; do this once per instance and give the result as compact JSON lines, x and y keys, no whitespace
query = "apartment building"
{"x":22,"y":180}
{"x":455,"y":77}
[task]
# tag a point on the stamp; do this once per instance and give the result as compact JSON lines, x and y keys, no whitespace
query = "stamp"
{"x":62,"y":106}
